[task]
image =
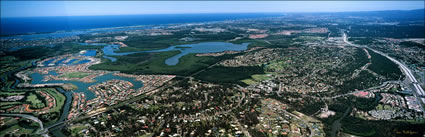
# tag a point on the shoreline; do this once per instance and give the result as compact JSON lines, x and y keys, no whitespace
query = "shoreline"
{"x":271,"y":15}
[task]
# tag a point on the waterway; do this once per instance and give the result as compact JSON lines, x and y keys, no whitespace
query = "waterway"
{"x":17,"y":80}
{"x":204,"y":47}
{"x":37,"y":78}
{"x":60,"y":62}
{"x":336,"y":125}
{"x":91,"y":53}
{"x":65,"y":112}
{"x":109,"y":50}
{"x":66,"y":107}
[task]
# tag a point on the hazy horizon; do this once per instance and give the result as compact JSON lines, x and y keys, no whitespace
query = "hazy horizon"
{"x":103,"y":8}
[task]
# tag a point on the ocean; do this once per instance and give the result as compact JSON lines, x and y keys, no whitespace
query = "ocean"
{"x":28,"y":25}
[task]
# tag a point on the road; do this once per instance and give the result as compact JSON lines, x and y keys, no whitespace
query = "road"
{"x":418,"y":89}
{"x":41,"y":131}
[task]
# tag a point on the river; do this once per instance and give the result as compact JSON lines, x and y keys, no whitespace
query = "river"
{"x":37,"y":78}
{"x":203,"y":47}
{"x":336,"y":125}
{"x":65,"y":111}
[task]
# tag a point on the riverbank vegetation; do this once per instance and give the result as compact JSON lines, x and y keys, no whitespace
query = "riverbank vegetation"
{"x":154,"y":63}
{"x":137,"y":43}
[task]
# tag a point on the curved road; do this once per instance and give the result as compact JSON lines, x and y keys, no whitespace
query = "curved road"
{"x":30,"y":117}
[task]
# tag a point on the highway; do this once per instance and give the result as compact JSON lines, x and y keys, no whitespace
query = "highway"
{"x":418,"y":89}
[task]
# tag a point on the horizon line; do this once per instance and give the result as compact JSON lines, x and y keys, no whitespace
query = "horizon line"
{"x":213,"y":13}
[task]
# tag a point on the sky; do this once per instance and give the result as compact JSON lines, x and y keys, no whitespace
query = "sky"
{"x":86,"y":8}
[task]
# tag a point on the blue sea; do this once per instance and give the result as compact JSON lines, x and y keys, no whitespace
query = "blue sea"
{"x":28,"y":25}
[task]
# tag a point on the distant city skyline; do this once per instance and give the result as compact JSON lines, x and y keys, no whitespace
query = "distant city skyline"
{"x":88,"y":8}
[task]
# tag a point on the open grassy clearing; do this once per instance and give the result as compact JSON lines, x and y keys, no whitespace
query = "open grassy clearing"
{"x":220,"y":74}
{"x":59,"y":97}
{"x":34,"y":101}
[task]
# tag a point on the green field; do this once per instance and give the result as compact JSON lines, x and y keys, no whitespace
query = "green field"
{"x":59,"y":97}
{"x":222,"y":74}
{"x":34,"y":101}
{"x":278,"y":65}
{"x":75,"y":75}
{"x":256,"y":78}
{"x":249,"y":81}
{"x":261,"y":77}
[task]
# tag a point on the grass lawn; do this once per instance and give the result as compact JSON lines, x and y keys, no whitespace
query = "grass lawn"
{"x":249,"y":81}
{"x":277,"y":65}
{"x":222,"y":74}
{"x":75,"y":75}
{"x":60,"y":99}
{"x":260,"y":77}
{"x":256,"y":78}
{"x":34,"y":101}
